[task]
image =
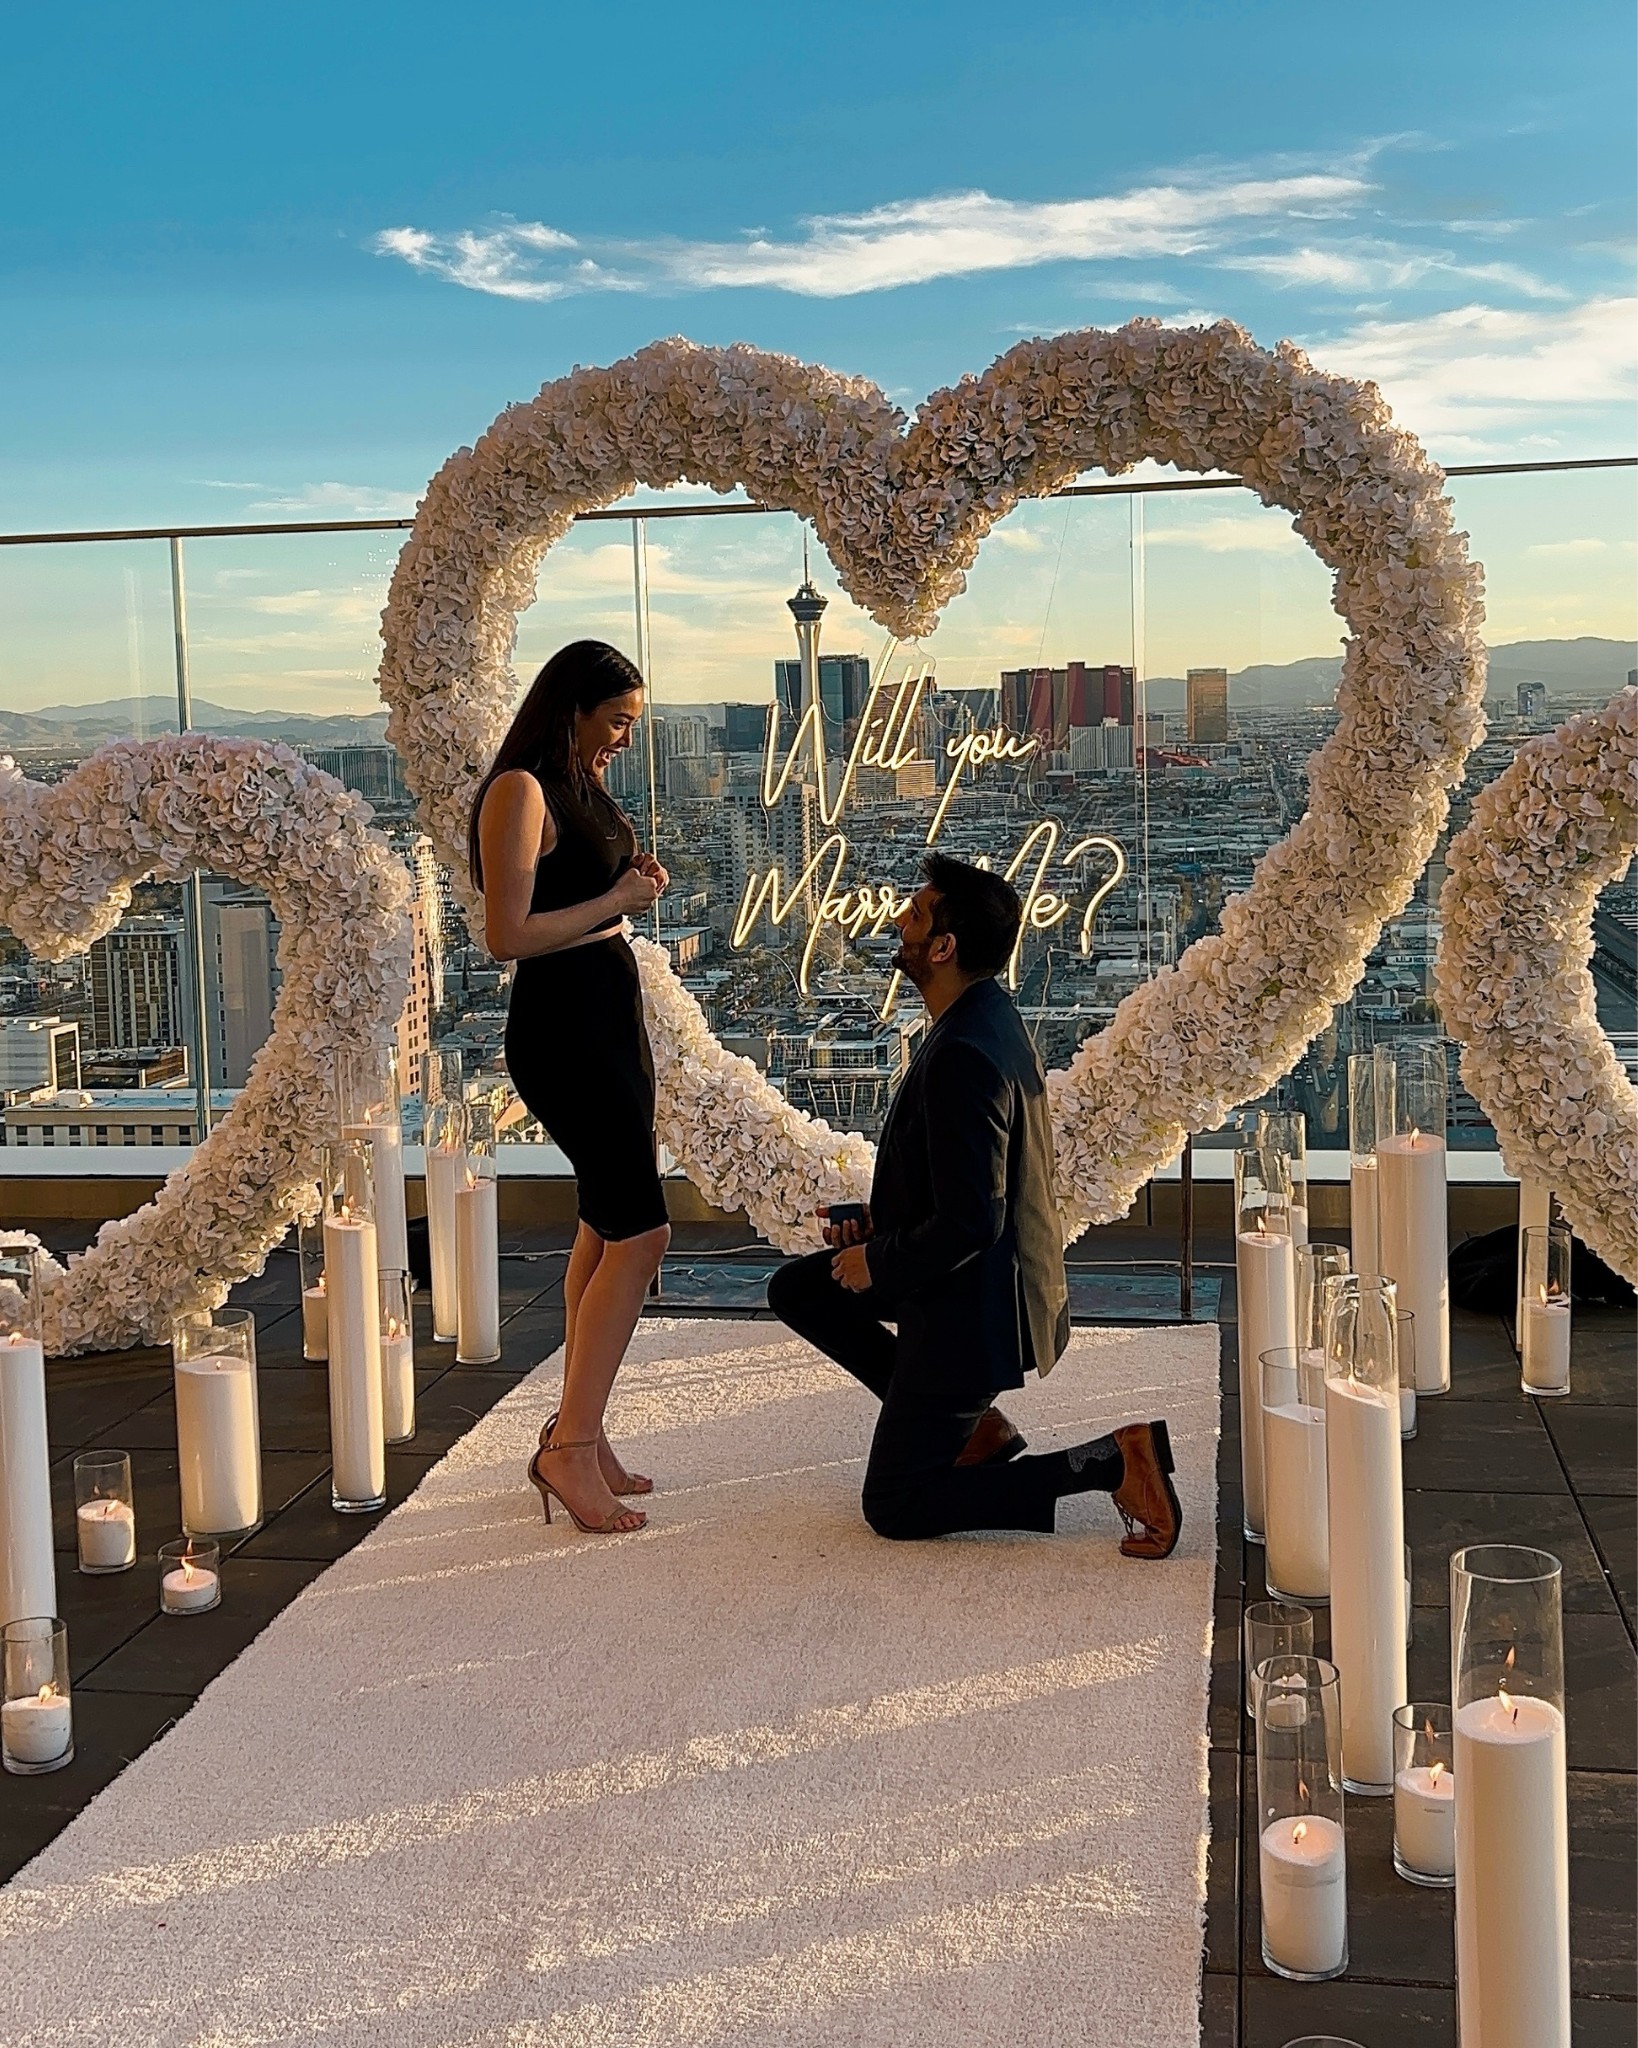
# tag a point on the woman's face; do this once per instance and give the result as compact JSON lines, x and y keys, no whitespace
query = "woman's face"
{"x":601,"y":734}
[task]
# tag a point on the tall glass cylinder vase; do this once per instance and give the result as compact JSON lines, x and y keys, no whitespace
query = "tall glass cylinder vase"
{"x":367,"y":1092}
{"x":1362,"y":1170}
{"x":315,"y":1309}
{"x":1266,"y":1278}
{"x":28,"y":1569}
{"x":218,"y":1422}
{"x":1301,"y":1852}
{"x":1365,"y":1494}
{"x":1412,"y":1103}
{"x":1544,"y":1326}
{"x":1512,"y":1831}
{"x":1315,"y":1264}
{"x":397,"y":1359}
{"x":477,"y":1245}
{"x":443,"y":1137}
{"x":1536,"y":1210}
{"x":1286,"y":1131}
{"x":358,"y":1455}
{"x":1297,"y":1560}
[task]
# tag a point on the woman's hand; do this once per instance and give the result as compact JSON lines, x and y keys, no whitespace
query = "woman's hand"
{"x":633,"y":892}
{"x":646,"y":864}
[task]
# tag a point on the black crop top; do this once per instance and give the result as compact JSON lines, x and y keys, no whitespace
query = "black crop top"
{"x":595,"y":844}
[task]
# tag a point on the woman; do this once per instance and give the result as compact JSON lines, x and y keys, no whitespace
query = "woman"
{"x":560,"y":871}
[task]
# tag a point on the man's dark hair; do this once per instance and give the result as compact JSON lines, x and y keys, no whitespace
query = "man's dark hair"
{"x":980,"y":911}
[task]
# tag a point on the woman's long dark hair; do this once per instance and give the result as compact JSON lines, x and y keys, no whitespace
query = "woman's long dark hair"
{"x":540,"y":738}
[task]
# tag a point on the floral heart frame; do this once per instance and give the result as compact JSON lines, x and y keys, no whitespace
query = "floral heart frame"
{"x":69,"y":853}
{"x":902,"y":511}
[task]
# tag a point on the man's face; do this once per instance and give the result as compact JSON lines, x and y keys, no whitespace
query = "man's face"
{"x":918,"y":943}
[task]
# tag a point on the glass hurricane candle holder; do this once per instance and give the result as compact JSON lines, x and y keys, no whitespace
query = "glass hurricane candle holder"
{"x":104,"y":1512}
{"x":190,"y":1575}
{"x":1424,"y":1794}
{"x":28,"y":1568}
{"x":1412,"y":1095}
{"x":367,"y":1096}
{"x":358,"y":1453}
{"x":477,"y":1245}
{"x":397,"y":1359}
{"x":1266,"y":1283}
{"x":1362,"y":1175}
{"x":1315,"y":1264}
{"x":1301,"y":1850}
{"x":1296,"y":1561}
{"x":1274,"y":1628}
{"x":443,"y":1138}
{"x":37,"y":1714}
{"x":1365,"y":1496}
{"x":218,"y":1422}
{"x":1544,"y":1313}
{"x":1537,"y":1207}
{"x":1285,"y":1131}
{"x":1512,"y":1828}
{"x":315,"y":1302}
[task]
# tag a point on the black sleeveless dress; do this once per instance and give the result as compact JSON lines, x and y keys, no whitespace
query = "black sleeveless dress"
{"x":576,"y":1043}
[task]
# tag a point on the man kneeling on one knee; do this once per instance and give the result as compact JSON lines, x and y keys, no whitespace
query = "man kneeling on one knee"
{"x":961,"y":1248}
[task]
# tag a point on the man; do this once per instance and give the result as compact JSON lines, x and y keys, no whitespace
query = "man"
{"x":963,"y":1250}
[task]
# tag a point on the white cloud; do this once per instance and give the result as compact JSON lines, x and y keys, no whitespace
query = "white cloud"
{"x":1363,"y":266}
{"x":319,"y":501}
{"x":1459,"y":376}
{"x":1587,"y":546}
{"x":1226,"y":535}
{"x":907,"y":241}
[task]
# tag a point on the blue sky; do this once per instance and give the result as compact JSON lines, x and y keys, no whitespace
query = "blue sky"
{"x":265,"y":263}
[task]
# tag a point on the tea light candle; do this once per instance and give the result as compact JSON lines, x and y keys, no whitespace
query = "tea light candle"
{"x":28,"y":1572}
{"x":188,"y":1589}
{"x":107,"y":1535}
{"x":1512,"y":1873}
{"x":1545,"y":1344}
{"x":38,"y":1728}
{"x":315,"y":1323}
{"x":1303,"y":1877}
{"x":1424,"y":1819}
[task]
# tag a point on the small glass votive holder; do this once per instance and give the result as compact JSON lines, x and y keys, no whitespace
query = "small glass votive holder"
{"x":190,"y":1575}
{"x":1424,"y":1795}
{"x":1544,"y":1312}
{"x":1275,"y":1628}
{"x":1405,"y":1331}
{"x":1301,"y":1848}
{"x":104,"y":1516}
{"x":315,"y":1305}
{"x":397,"y":1357}
{"x":37,"y":1715}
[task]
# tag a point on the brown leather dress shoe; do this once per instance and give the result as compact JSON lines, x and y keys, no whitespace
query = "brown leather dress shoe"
{"x":1146,"y":1497}
{"x":993,"y":1441}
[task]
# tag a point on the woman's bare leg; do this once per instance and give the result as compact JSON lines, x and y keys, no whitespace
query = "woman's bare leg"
{"x":583,"y":1260}
{"x":606,"y":1312}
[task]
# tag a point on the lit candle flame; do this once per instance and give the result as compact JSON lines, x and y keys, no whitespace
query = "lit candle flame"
{"x":1415,"y":1134}
{"x":394,"y":1327}
{"x":1502,"y":1693}
{"x":47,"y":1694}
{"x":1298,"y":1832}
{"x":1435,"y":1771}
{"x":188,"y":1572}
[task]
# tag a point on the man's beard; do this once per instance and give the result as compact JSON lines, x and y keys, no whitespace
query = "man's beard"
{"x":911,"y":962}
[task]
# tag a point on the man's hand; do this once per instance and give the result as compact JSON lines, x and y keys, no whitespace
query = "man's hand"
{"x":851,"y":1269}
{"x":846,"y":1229}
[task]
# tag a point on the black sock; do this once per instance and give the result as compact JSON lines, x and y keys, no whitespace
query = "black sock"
{"x":1095,"y":1467}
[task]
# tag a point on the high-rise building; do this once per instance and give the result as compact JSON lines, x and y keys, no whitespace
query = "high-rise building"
{"x":373,"y":771}
{"x":1207,"y":702}
{"x":241,"y":976}
{"x":1052,"y":702}
{"x":744,"y":726}
{"x":844,"y":688}
{"x":1532,"y":699}
{"x":138,"y":986}
{"x":38,"y":1055}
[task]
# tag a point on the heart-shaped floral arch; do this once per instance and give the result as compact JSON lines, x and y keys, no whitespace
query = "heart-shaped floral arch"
{"x":1546,"y":836}
{"x":69,"y":853}
{"x":902,"y":512}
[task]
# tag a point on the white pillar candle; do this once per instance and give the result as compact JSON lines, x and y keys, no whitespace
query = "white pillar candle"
{"x":1545,"y":1345}
{"x":1266,"y":1277}
{"x":1512,"y":1874}
{"x":446,"y":1173}
{"x":107,"y":1535}
{"x":1362,"y":1228}
{"x":397,"y":1384}
{"x":1424,"y":1819}
{"x":38,"y":1728}
{"x":1302,"y":1875}
{"x":218,"y":1453}
{"x":315,"y":1323}
{"x":1367,"y":1535}
{"x":477,"y":1249}
{"x":1298,"y":1213}
{"x":28,"y":1572}
{"x":1298,"y":1562}
{"x":1410,"y":1611}
{"x":188,"y":1588}
{"x":358,"y":1454}
{"x":1535,"y":1213}
{"x":1407,"y":1409}
{"x":1412,"y":1245}
{"x":386,"y":1143}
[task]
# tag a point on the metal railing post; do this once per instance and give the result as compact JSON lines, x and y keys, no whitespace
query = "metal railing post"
{"x":193,"y":896}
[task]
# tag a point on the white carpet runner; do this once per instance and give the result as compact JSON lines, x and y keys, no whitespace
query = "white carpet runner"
{"x":751,"y":1776}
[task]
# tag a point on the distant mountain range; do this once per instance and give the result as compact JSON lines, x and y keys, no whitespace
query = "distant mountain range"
{"x":1575,"y":668}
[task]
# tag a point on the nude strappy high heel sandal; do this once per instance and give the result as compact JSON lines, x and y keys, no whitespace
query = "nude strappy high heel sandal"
{"x":629,"y":1482}
{"x":623,"y":1522}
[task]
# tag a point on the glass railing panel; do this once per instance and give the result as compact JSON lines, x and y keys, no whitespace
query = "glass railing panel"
{"x":86,"y":649}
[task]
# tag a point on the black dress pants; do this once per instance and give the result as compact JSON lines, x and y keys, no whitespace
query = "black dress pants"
{"x":930,"y":1404}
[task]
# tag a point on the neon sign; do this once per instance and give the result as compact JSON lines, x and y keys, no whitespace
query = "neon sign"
{"x":886,"y":739}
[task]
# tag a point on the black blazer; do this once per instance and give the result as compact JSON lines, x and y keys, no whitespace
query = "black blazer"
{"x":965,"y":1221}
